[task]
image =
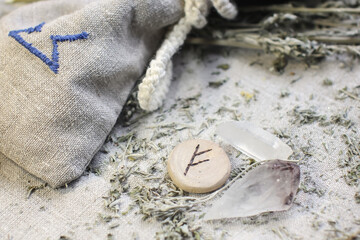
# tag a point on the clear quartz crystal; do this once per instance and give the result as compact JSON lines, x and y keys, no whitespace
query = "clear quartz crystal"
{"x":253,"y":141}
{"x":269,"y":187}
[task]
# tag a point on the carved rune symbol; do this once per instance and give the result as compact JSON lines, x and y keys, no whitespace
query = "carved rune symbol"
{"x":196,"y":153}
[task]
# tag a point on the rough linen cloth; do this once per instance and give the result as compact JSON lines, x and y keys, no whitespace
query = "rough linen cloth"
{"x":66,"y":69}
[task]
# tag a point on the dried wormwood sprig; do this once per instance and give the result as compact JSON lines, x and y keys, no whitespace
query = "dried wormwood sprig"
{"x":352,"y":160}
{"x":308,"y":34}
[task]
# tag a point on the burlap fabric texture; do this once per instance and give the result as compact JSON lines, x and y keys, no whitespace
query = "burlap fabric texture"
{"x":66,"y":69}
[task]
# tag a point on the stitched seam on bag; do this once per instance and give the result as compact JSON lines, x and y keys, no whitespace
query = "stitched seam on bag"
{"x":54,"y":62}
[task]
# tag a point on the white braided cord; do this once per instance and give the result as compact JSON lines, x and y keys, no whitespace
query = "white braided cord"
{"x":225,"y":8}
{"x":155,"y":85}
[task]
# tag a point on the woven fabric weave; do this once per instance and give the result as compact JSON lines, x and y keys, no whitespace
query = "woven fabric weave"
{"x":66,"y":69}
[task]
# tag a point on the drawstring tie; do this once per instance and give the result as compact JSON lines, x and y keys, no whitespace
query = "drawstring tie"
{"x":155,"y":85}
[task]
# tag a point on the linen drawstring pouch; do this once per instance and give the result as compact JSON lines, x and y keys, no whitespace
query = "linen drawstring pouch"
{"x":67,"y":67}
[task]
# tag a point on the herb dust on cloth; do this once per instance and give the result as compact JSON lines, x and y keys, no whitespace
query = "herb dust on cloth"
{"x":66,"y":69}
{"x":324,"y":208}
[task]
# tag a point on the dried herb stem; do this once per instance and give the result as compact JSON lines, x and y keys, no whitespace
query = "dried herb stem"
{"x":350,"y":94}
{"x":127,"y":147}
{"x":223,"y":43}
{"x":290,"y":9}
{"x":335,"y":40}
{"x":332,"y":24}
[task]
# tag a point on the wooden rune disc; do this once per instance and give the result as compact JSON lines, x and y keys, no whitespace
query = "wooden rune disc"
{"x":198,"y":166}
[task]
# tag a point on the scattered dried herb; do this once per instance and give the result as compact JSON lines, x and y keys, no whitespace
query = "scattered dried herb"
{"x":109,"y":236}
{"x":225,"y":111}
{"x":236,"y":171}
{"x":327,"y":82}
{"x":162,"y":201}
{"x":308,"y":185}
{"x":284,"y":93}
{"x":308,"y":34}
{"x":357,"y":197}
{"x":306,"y":116}
{"x":63,"y":237}
{"x":223,"y":66}
{"x":249,"y":96}
{"x":217,"y":84}
{"x":187,"y":102}
{"x":295,"y":80}
{"x":32,"y":189}
{"x":352,"y":159}
{"x":345,"y":93}
{"x":168,"y":130}
{"x":124,"y":138}
{"x":131,"y":107}
{"x":340,"y":120}
{"x":280,"y":63}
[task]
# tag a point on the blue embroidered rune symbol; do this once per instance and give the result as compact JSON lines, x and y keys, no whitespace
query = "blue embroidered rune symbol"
{"x":53,"y":63}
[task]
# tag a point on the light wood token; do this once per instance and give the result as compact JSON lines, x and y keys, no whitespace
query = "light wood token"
{"x":198,"y":166}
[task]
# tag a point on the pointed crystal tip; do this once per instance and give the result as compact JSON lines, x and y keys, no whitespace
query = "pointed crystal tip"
{"x":269,"y":187}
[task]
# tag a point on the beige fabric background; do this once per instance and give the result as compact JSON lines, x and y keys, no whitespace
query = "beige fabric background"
{"x":333,"y":214}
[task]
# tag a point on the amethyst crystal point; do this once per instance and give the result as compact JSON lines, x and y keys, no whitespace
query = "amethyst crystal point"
{"x":269,"y":187}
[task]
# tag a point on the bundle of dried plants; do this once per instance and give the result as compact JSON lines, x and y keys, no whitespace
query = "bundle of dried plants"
{"x":305,"y":30}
